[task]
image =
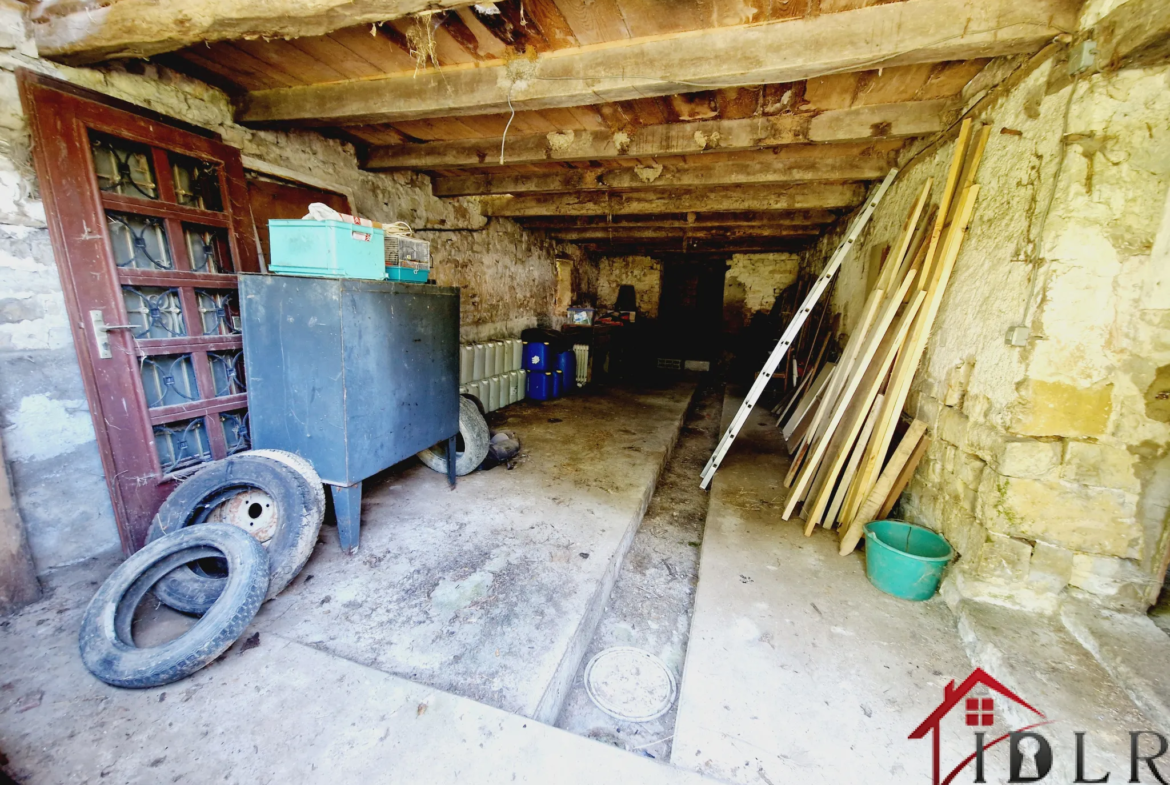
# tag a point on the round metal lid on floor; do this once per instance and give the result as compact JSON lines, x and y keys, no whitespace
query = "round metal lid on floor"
{"x":630,"y":684}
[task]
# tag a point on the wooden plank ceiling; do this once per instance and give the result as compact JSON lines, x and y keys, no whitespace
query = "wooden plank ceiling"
{"x":755,"y":166}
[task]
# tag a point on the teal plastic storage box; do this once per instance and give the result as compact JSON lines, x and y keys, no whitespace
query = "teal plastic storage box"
{"x":326,"y":249}
{"x":408,"y":274}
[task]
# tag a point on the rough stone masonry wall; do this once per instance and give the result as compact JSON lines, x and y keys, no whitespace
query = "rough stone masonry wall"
{"x":1049,"y":470}
{"x":641,"y":272}
{"x":752,"y":283}
{"x":508,"y":277}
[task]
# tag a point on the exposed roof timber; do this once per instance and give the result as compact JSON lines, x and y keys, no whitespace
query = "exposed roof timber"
{"x":794,"y":170}
{"x":683,"y":220}
{"x":706,"y":247}
{"x":914,"y":31}
{"x":619,"y":234}
{"x":864,"y":123}
{"x":83,"y":33}
{"x":1135,"y":34}
{"x":653,"y":200}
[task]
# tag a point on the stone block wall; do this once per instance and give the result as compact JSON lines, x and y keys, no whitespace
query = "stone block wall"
{"x":508,"y":276}
{"x":752,"y":283}
{"x":1049,"y":467}
{"x":641,"y":272}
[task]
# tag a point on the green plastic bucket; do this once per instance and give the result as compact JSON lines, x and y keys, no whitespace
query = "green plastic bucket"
{"x":905,"y":560}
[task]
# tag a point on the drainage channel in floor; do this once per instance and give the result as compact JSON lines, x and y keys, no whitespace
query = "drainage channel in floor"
{"x":651,"y":603}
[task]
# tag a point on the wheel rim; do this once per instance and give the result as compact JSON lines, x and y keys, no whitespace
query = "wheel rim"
{"x":250,"y":509}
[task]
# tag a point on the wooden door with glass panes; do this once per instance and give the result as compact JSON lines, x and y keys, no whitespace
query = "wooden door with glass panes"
{"x":150,"y":224}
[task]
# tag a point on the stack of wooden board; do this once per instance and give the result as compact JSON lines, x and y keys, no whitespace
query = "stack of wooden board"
{"x":813,"y":346}
{"x":842,"y":425}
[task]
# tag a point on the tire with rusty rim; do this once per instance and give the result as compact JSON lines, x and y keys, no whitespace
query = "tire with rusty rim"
{"x":301,"y":465}
{"x":106,"y":641}
{"x":266,"y":498}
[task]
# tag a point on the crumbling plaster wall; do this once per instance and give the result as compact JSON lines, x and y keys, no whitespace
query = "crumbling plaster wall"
{"x":642,"y":272}
{"x":507,"y":274}
{"x":752,"y":284}
{"x":1048,"y":469}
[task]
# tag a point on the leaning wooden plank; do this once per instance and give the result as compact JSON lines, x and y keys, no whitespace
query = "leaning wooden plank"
{"x":847,"y":364}
{"x":873,"y":502}
{"x":894,"y":267}
{"x":907,"y":364}
{"x":838,"y":410}
{"x":808,"y":399}
{"x":903,"y":478}
{"x":854,"y":460}
{"x":868,"y":390}
{"x":944,"y":203}
{"x":963,"y":168}
{"x":811,"y":423}
{"x":973,"y":158}
{"x":805,"y":398}
{"x":900,"y":262}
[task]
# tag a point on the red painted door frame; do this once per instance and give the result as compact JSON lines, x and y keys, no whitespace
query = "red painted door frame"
{"x":62,"y":117}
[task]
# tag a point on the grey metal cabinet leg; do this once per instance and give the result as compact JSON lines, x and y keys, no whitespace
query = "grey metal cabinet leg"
{"x":451,"y":461}
{"x":347,"y":503}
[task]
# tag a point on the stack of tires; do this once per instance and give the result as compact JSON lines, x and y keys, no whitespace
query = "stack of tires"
{"x":231,"y":536}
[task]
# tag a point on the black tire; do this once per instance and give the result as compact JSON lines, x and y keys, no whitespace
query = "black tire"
{"x":300,"y":509}
{"x":476,"y":439}
{"x":105,"y":642}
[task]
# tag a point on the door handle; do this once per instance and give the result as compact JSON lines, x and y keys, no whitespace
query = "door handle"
{"x":101,"y":332}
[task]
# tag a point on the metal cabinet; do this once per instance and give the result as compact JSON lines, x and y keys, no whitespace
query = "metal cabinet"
{"x":353,"y":375}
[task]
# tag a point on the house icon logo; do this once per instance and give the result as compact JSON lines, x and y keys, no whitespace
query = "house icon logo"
{"x":978,"y":713}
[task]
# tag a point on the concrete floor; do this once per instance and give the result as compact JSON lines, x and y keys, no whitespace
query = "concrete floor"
{"x":490,"y":592}
{"x":650,"y":607}
{"x":280,"y":712}
{"x":797,"y":669}
{"x":493,"y":590}
{"x":487,"y":598}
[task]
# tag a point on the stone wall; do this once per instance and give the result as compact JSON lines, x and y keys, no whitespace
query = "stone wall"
{"x":508,"y":277}
{"x":1048,"y":469}
{"x":641,"y":272}
{"x":752,"y":283}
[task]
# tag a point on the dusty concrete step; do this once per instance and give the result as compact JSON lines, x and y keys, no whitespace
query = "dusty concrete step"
{"x":1131,"y":649}
{"x":492,"y":591}
{"x":285,"y":712}
{"x":797,"y":669}
{"x":1039,"y":659}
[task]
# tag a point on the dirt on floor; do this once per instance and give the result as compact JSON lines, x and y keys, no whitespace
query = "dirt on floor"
{"x":650,"y":607}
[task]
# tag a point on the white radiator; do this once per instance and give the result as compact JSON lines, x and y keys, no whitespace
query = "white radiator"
{"x":583,"y":370}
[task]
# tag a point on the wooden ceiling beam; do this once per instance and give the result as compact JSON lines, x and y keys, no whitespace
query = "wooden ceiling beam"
{"x":619,"y":234}
{"x":81,"y":33}
{"x":655,"y":247}
{"x":860,"y":124}
{"x":817,"y":196}
{"x":905,"y":33}
{"x":1133,"y":35}
{"x":683,"y":220}
{"x":795,"y":170}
